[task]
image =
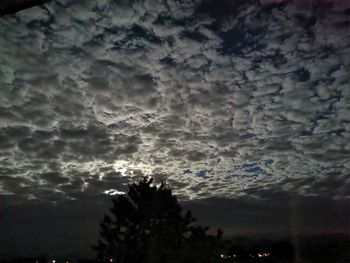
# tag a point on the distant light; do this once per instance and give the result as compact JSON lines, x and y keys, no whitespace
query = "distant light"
{"x":224,"y":256}
{"x":265,"y":254}
{"x":111,"y":260}
{"x":53,"y":261}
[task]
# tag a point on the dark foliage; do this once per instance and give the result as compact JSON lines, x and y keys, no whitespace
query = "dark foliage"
{"x":148,"y":226}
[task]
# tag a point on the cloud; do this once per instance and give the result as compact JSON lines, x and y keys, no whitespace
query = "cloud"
{"x":245,"y":97}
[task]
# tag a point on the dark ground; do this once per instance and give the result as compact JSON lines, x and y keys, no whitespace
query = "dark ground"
{"x":311,"y":249}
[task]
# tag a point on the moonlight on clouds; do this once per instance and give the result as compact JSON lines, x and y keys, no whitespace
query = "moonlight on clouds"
{"x":242,"y":107}
{"x":220,"y":100}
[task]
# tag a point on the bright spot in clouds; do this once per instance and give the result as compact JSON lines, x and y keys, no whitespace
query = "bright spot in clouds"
{"x":219,"y":100}
{"x":126,"y":168}
{"x":113,"y":192}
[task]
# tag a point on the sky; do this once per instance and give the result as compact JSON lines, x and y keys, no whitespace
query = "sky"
{"x":243,"y":107}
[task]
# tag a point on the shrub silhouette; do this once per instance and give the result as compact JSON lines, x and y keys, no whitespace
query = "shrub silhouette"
{"x":148,"y":226}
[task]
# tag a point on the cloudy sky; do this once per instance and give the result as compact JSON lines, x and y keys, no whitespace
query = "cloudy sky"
{"x":241,"y":106}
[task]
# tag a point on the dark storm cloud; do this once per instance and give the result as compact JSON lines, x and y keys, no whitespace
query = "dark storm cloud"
{"x":248,"y":97}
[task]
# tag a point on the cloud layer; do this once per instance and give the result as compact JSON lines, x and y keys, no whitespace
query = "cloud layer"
{"x":226,"y":101}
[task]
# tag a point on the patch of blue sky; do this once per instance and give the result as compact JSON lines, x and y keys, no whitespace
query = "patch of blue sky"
{"x":203,"y":174}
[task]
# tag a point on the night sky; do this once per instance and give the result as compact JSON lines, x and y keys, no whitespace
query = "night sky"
{"x":243,"y":107}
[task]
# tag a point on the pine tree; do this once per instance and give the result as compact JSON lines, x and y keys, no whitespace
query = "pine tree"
{"x":147,"y":225}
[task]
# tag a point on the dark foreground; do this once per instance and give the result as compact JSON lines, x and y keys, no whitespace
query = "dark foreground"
{"x":315,"y":249}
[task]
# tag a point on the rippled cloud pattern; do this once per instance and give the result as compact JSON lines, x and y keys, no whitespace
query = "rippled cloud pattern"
{"x":230,"y":100}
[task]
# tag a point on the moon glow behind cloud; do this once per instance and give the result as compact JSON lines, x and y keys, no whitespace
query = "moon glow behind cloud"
{"x":221,"y":100}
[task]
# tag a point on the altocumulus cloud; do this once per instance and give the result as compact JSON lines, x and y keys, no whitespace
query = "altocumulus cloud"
{"x":222,"y":100}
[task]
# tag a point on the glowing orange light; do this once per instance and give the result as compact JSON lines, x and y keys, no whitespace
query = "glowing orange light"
{"x":225,"y":256}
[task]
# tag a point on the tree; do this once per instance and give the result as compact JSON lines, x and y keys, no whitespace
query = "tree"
{"x":148,"y":226}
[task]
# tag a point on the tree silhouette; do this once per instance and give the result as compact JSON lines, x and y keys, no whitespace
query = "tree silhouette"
{"x":147,"y":226}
